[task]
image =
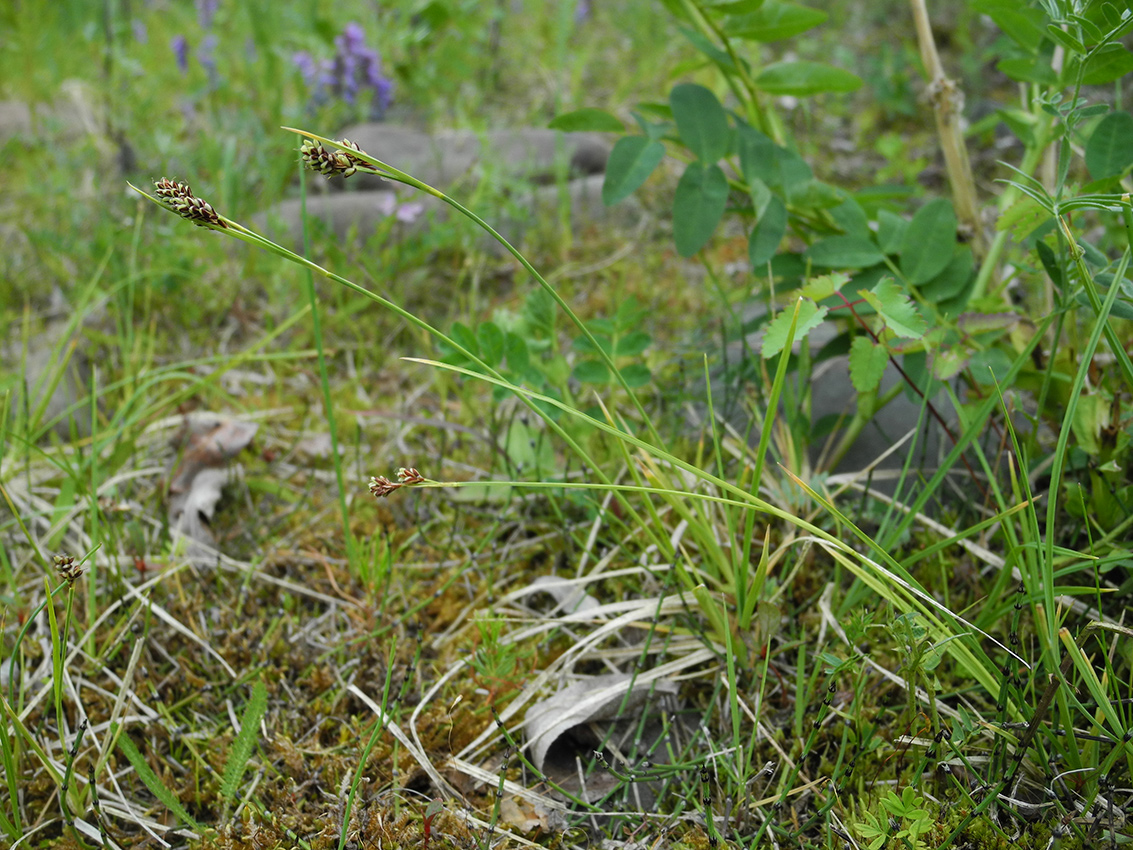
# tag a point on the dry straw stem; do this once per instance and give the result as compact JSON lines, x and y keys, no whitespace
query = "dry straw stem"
{"x":947,"y":101}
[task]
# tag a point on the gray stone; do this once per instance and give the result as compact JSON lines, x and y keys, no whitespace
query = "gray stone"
{"x":363,"y":214}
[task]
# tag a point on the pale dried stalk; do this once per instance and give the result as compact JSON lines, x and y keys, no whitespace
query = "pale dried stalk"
{"x":947,"y":102}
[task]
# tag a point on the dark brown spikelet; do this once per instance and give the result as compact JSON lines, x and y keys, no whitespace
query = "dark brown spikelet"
{"x":318,"y":158}
{"x":179,"y":197}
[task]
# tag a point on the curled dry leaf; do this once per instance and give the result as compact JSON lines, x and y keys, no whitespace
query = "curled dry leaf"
{"x":195,"y":485}
{"x":609,"y":697}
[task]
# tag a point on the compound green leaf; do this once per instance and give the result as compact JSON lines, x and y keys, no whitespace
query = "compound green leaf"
{"x":592,"y":372}
{"x":844,"y":252}
{"x":1110,"y":149}
{"x":768,"y":233}
{"x":698,"y":205}
{"x":775,"y":21}
{"x":587,"y":120}
{"x":491,"y":340}
{"x":929,"y":240}
{"x":631,"y":162}
{"x":701,"y":121}
{"x":806,"y":78}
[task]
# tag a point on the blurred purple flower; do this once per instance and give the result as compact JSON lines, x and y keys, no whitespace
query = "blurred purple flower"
{"x":355,"y":67}
{"x":141,"y":34}
{"x":206,"y":55}
{"x":408,"y":213}
{"x":206,"y":11}
{"x":581,"y":11}
{"x":180,"y":47}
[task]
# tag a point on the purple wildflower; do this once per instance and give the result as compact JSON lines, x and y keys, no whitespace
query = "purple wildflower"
{"x":180,"y":47}
{"x":206,"y":11}
{"x":409,"y":212}
{"x":354,"y":68}
{"x":581,"y":11}
{"x":141,"y":34}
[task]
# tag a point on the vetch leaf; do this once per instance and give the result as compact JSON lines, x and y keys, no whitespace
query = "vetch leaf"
{"x":844,"y":252}
{"x":890,"y":231}
{"x":636,"y":375}
{"x":515,"y":349}
{"x":701,"y":121}
{"x":867,"y":363}
{"x":952,"y":280}
{"x":491,"y":340}
{"x":1109,"y":63}
{"x":775,"y":21}
{"x":929,"y":242}
{"x":698,"y":204}
{"x":806,"y":78}
{"x":775,"y":337}
{"x":1022,"y":24}
{"x":592,"y":372}
{"x":757,"y":155}
{"x":768,"y":233}
{"x":632,"y":344}
{"x":631,"y":162}
{"x":587,"y":120}
{"x":896,"y":308}
{"x":1110,"y":149}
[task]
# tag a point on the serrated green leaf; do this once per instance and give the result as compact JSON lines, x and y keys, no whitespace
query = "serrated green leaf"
{"x":701,"y":121}
{"x":805,"y":78}
{"x":1022,"y":217}
{"x":818,"y":288}
{"x":592,"y":372}
{"x":587,"y":120}
{"x":775,"y":21}
{"x":867,"y":363}
{"x":631,"y":162}
{"x":929,"y":241}
{"x":844,"y":252}
{"x":1110,"y":148}
{"x":775,"y":337}
{"x":896,"y":308}
{"x":698,"y":205}
{"x":768,"y":233}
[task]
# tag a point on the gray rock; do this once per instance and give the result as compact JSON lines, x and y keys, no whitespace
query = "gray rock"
{"x":361,"y":215}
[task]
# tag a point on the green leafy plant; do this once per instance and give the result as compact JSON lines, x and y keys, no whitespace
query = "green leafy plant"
{"x":903,"y":819}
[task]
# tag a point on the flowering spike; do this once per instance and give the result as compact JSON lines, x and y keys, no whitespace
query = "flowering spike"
{"x":318,"y":158}
{"x":179,"y":197}
{"x":66,"y":567}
